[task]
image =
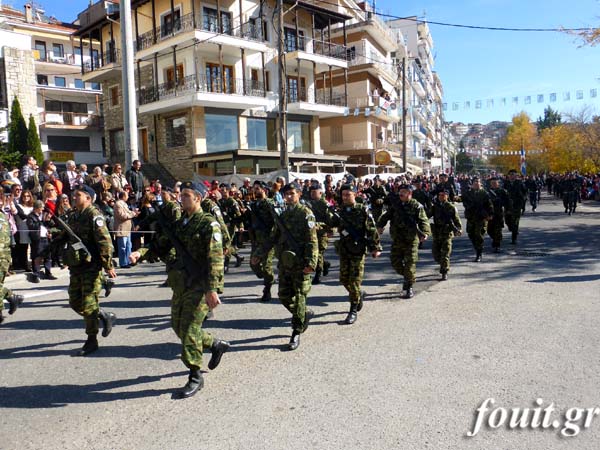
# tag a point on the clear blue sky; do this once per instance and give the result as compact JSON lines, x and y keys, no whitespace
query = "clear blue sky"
{"x":481,"y":65}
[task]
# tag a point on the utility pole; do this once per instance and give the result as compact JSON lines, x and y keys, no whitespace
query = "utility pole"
{"x":129,"y":100}
{"x":404,"y":113}
{"x":442,"y":139}
{"x":282,"y":132}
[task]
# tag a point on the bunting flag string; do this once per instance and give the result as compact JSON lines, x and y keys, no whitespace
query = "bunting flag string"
{"x":490,"y":103}
{"x":502,"y":152}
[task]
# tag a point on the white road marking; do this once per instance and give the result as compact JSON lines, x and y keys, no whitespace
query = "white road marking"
{"x":40,"y":293}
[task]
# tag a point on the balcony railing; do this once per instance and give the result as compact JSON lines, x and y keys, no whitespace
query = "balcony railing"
{"x":67,"y":59}
{"x":110,"y":57}
{"x":71,"y":118}
{"x":358,"y":56}
{"x":201,"y":84}
{"x":252,"y":30}
{"x":320,"y":97}
{"x":314,"y":46}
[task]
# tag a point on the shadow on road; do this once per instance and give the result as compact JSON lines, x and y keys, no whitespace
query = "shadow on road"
{"x":567,"y":279}
{"x":56,"y":396}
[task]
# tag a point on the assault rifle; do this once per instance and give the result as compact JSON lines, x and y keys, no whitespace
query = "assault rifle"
{"x":285,"y":231}
{"x":77,"y":243}
{"x":349,"y":230}
{"x":412,"y":222}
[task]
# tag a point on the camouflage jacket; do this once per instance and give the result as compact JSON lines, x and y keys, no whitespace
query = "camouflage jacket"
{"x":210,"y":207}
{"x":478,"y":205}
{"x":160,"y":246}
{"x":377,"y":196}
{"x":358,"y":232}
{"x":423,"y":198}
{"x":445,"y":219}
{"x":320,"y":209}
{"x":90,"y":226}
{"x":500,"y":200}
{"x":300,"y":223}
{"x":5,"y":234}
{"x":261,"y":219}
{"x":517,"y":193}
{"x":407,"y":220}
{"x":231,"y":210}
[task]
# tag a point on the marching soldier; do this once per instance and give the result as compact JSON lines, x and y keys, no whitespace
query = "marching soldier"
{"x":261,"y":227}
{"x":85,"y":264}
{"x":296,"y":248}
{"x":192,"y":247}
{"x":501,"y":203}
{"x":320,"y":209}
{"x":445,"y":185}
{"x":517,"y":193}
{"x":478,"y":210}
{"x":358,"y":235}
{"x":13,"y":300}
{"x":421,"y":195}
{"x":446,"y":224}
{"x":232,"y":216}
{"x":377,"y":194}
{"x":408,"y":226}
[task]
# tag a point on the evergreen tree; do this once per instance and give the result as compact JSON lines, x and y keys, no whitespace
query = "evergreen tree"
{"x":17,"y":130}
{"x":34,"y":145}
{"x":551,"y":119}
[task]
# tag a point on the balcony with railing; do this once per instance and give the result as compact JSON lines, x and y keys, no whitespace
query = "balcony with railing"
{"x":251,"y":31}
{"x":59,"y":119}
{"x":380,"y":107}
{"x":63,"y":60}
{"x":323,"y":53}
{"x":317,"y":102}
{"x":201,"y":90}
{"x":102,"y":67}
{"x":358,"y":56}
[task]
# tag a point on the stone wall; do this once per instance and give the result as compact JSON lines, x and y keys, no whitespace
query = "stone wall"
{"x":21,"y":81}
{"x":177,"y":160}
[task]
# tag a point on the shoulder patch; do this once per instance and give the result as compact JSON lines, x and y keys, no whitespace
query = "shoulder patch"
{"x":99,"y":221}
{"x":312,"y":222}
{"x":217,"y":236}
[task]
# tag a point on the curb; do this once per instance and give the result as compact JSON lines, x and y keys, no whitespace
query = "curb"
{"x":23,"y":277}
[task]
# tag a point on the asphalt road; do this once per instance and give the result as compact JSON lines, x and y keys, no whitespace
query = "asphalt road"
{"x":409,"y":374}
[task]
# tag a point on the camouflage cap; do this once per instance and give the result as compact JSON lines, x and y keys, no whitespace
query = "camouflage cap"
{"x":199,"y":188}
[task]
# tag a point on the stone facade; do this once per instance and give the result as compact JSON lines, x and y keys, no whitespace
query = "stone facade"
{"x":21,"y":79}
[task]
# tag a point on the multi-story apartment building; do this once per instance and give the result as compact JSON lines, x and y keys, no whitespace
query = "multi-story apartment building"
{"x":207,"y":81}
{"x":46,"y":77}
{"x":370,"y":123}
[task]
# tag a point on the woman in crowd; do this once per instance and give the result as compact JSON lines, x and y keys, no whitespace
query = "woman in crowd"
{"x":24,"y":206}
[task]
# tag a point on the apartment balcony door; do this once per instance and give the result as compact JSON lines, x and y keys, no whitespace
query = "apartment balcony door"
{"x":290,"y":40}
{"x":217,"y":82}
{"x":296,"y":88}
{"x":210,"y":21}
{"x":171,"y":22}
{"x":171,"y":76}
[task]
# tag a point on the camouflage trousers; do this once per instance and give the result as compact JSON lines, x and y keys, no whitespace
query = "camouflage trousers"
{"x":476,"y":230}
{"x":188,"y":311}
{"x":404,"y":256}
{"x":294,"y":287}
{"x":512,"y":221}
{"x":494,"y":231}
{"x":442,"y":249}
{"x":352,"y":269}
{"x":232,"y":248}
{"x":264,"y":269}
{"x":4,"y":292}
{"x":84,"y":289}
{"x":323,"y":241}
{"x":376,"y":212}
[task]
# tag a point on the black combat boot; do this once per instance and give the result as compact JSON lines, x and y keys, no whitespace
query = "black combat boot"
{"x":444,"y":276}
{"x":238,"y":260}
{"x":266,"y":297}
{"x":227,"y":258}
{"x":1,"y":317}
{"x":361,"y":301}
{"x":409,"y":292}
{"x":90,"y":346}
{"x":108,"y":285}
{"x":478,"y":257}
{"x":34,"y":277}
{"x":194,"y":384}
{"x":317,"y":277}
{"x":294,"y":341}
{"x":326,"y":266}
{"x":15,"y":301}
{"x":218,"y":349}
{"x":108,"y":320}
{"x":307,"y":318}
{"x":352,"y":314}
{"x":48,"y":275}
{"x":514,"y":238}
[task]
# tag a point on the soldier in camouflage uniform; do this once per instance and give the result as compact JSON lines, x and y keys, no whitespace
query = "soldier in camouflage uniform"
{"x":261,"y":227}
{"x":408,"y":226}
{"x":478,"y":211}
{"x":14,"y":300}
{"x":377,"y":195}
{"x":517,"y":193}
{"x":421,"y":195}
{"x":232,"y":216}
{"x":296,"y":248}
{"x":358,"y":235}
{"x":501,"y":203}
{"x":320,"y":208}
{"x":446,"y":225}
{"x":88,"y":223}
{"x":195,"y":292}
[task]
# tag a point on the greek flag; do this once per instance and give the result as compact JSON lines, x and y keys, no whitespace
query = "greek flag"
{"x":523,"y":162}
